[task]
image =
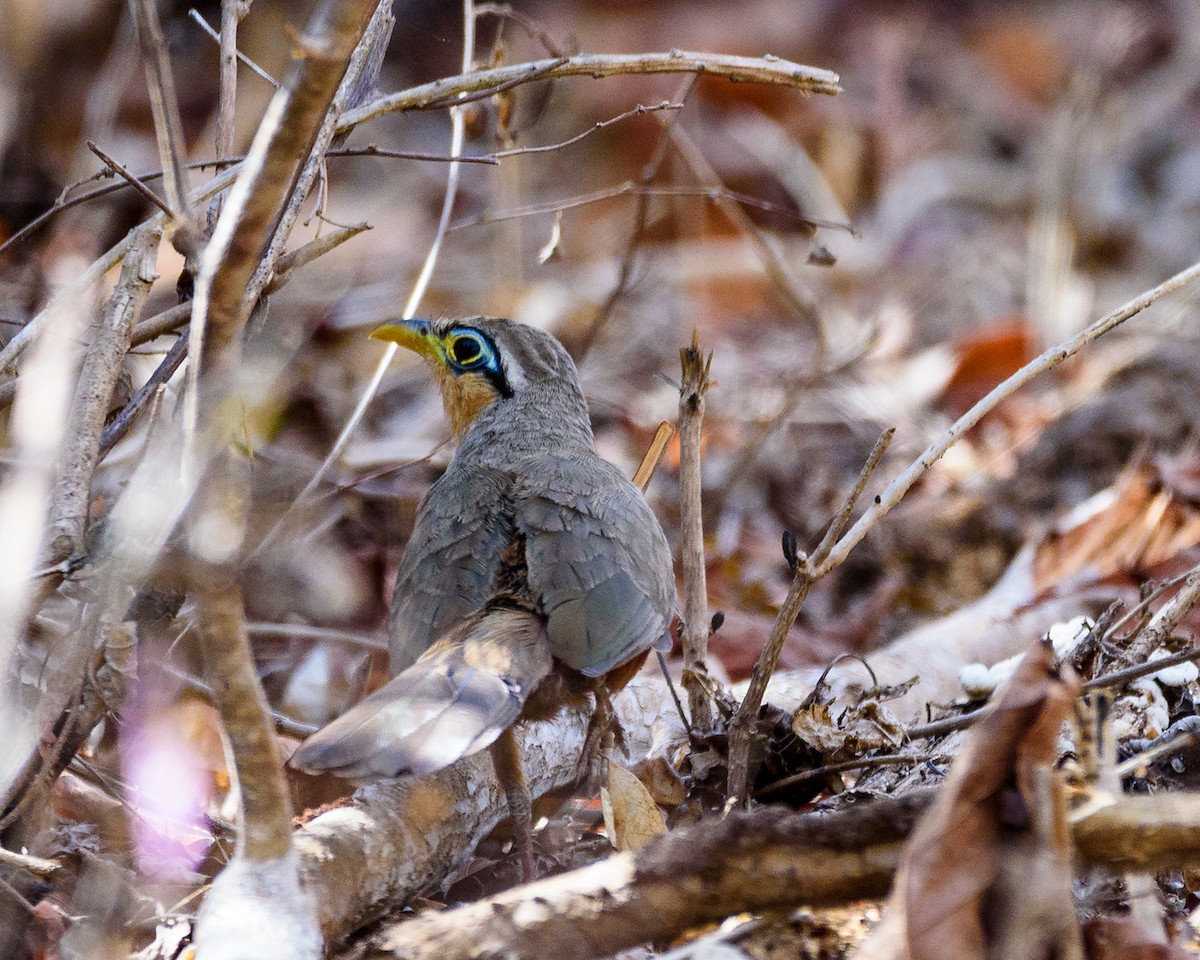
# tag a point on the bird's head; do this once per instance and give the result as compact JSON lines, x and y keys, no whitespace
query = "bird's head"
{"x":483,"y":359}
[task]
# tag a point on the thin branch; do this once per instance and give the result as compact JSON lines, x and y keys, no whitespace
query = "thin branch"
{"x":638,"y":111}
{"x":169,"y":321}
{"x":164,"y":105}
{"x":776,"y":267}
{"x":716,"y":193}
{"x":99,"y":267}
{"x":271,"y":178}
{"x":37,"y":427}
{"x":1118,"y":678}
{"x":66,"y":204}
{"x":694,"y":385}
{"x":286,"y":265}
{"x":232,"y":12}
{"x":37,"y":866}
{"x":132,"y":180}
{"x":862,"y":763}
{"x":745,"y":721}
{"x":166,"y":368}
{"x":462,"y":99}
{"x":311,"y":632}
{"x":254,"y":67}
{"x":525,"y":22}
{"x":658,"y":446}
{"x":843,"y":516}
{"x":771,"y":70}
{"x":1048,"y":360}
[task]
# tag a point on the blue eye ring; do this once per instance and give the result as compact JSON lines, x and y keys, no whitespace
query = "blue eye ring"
{"x":467,"y":350}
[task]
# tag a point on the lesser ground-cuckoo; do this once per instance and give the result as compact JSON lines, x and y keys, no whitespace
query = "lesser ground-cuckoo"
{"x":536,"y":572}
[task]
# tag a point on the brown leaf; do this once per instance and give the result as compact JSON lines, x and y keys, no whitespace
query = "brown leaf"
{"x":1137,"y":522}
{"x":631,"y":816}
{"x":959,"y":850}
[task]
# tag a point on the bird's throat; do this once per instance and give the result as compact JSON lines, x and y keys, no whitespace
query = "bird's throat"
{"x":464,"y":396}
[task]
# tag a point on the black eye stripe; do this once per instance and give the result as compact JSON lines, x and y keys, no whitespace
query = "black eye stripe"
{"x":494,"y":371}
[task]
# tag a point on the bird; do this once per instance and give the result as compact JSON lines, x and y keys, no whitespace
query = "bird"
{"x":536,"y":575}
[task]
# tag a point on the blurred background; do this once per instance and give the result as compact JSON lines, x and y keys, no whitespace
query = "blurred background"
{"x":993,"y":177}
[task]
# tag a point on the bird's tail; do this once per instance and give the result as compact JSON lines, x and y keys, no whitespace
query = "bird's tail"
{"x":455,"y":700}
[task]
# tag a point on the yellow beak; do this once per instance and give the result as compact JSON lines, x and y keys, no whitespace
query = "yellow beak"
{"x":414,"y":335}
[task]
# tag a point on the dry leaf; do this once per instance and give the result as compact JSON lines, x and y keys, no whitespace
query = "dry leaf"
{"x":631,"y":816}
{"x":982,"y":826}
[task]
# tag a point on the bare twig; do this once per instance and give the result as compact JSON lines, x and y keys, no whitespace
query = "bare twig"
{"x":38,"y":866}
{"x":710,"y":192}
{"x":166,"y":368}
{"x":287,"y":264}
{"x":132,"y":180}
{"x":1048,"y":360}
{"x":267,"y":185}
{"x":742,"y":728}
{"x":695,"y":383}
{"x":92,"y":275}
{"x":66,"y":203}
{"x":1118,"y":678}
{"x":1168,"y":617}
{"x":169,"y":321}
{"x":232,"y":12}
{"x":37,"y":427}
{"x":260,"y":207}
{"x":97,"y":379}
{"x":862,"y":763}
{"x":776,"y":267}
{"x":168,"y":128}
{"x":207,"y":28}
{"x":461,"y":99}
{"x":359,"y":80}
{"x":638,"y":111}
{"x":770,"y":70}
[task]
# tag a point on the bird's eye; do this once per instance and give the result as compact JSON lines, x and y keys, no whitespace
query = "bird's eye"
{"x":466,"y":350}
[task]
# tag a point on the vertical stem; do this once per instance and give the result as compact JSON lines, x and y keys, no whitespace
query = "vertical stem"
{"x":266,"y":826}
{"x":229,"y":65}
{"x":694,"y":386}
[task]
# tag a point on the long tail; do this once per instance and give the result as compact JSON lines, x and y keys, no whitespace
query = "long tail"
{"x":455,"y":700}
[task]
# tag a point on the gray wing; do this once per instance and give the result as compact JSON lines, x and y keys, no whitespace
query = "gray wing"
{"x":450,"y":561}
{"x":597,"y":558}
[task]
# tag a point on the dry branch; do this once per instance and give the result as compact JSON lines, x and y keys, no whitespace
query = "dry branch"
{"x":694,"y":385}
{"x":701,"y":874}
{"x":761,"y":860}
{"x":97,"y":380}
{"x":772,"y":70}
{"x":744,"y":722}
